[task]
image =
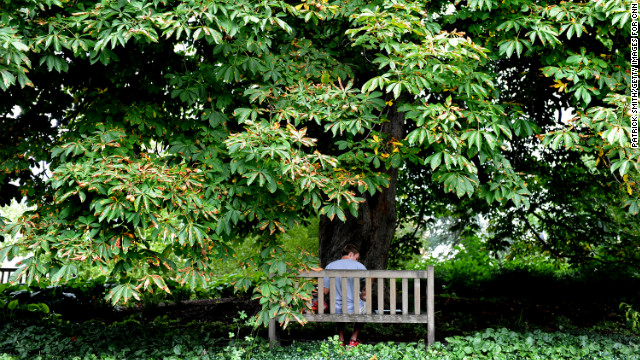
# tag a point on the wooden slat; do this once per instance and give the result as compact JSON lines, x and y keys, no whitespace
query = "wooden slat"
{"x":392,"y":296}
{"x":381,"y":296}
{"x":372,"y":318}
{"x":356,"y":296}
{"x":332,"y":295}
{"x":345,"y":296}
{"x":369,"y":301}
{"x":320,"y":295}
{"x":398,"y":274}
{"x":405,"y":296}
{"x":416,"y":295}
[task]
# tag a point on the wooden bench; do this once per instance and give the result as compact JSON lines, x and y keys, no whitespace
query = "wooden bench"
{"x":383,"y":311}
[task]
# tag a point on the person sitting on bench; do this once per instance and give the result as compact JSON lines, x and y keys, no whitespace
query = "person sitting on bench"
{"x":349,"y":261}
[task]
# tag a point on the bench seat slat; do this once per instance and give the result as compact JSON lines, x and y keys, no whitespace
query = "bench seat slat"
{"x":372,"y":318}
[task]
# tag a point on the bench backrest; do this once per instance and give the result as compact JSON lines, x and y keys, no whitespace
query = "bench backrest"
{"x":5,"y":274}
{"x":384,"y":312}
{"x":380,"y":277}
{"x":394,"y":315}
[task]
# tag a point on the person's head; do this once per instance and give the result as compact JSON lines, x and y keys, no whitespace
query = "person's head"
{"x":351,"y":251}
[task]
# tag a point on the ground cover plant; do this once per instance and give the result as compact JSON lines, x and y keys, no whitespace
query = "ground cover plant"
{"x":164,"y":340}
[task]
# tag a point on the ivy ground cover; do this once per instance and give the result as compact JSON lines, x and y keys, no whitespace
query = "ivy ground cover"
{"x":165,"y":340}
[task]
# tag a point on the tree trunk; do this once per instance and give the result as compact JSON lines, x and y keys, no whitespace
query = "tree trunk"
{"x":372,"y":231}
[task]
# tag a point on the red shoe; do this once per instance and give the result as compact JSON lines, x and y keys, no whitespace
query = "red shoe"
{"x":354,"y":343}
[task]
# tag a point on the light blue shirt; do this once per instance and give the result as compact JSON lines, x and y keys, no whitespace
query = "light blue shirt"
{"x":344,"y":264}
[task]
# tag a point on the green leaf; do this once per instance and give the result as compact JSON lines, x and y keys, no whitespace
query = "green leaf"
{"x":624,"y":167}
{"x":436,"y":159}
{"x":490,"y":139}
{"x":326,"y":78}
{"x":475,"y":138}
{"x":395,"y":88}
{"x":507,"y":48}
{"x":8,"y":78}
{"x":65,"y":272}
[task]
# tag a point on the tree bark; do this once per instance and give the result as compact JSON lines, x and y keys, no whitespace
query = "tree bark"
{"x":372,"y":231}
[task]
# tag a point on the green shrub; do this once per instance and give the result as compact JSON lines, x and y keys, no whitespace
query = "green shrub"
{"x":632,"y":316}
{"x":12,"y":306}
{"x":474,"y":271}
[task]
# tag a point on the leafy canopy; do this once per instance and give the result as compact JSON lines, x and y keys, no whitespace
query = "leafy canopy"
{"x":173,"y":128}
{"x":566,"y":64}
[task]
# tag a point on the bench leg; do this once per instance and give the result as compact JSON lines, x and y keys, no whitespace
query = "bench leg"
{"x":274,"y":339}
{"x":431,"y":326}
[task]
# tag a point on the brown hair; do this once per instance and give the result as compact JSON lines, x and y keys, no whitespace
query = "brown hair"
{"x":350,"y":248}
